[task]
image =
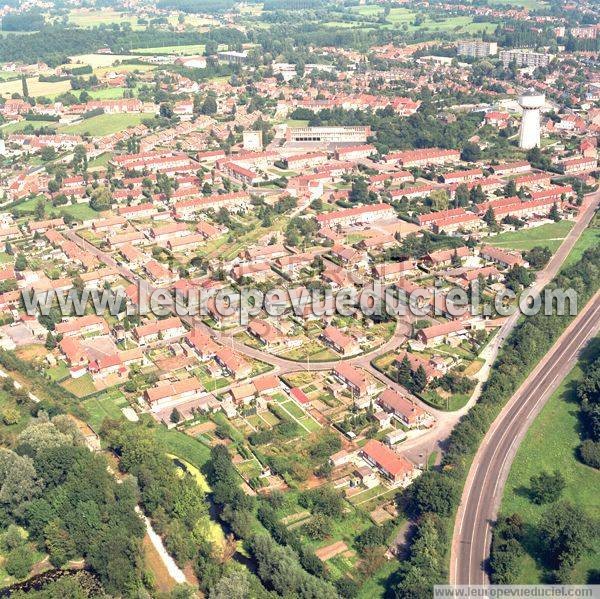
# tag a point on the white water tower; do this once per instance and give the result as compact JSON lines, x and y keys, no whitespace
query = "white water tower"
{"x":531,"y":102}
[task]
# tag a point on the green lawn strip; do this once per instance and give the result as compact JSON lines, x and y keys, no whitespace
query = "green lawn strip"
{"x":550,"y":444}
{"x":185,"y":447}
{"x":550,"y":236}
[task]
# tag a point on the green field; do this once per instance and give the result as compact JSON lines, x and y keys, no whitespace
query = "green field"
{"x":108,"y":93}
{"x":589,"y":238}
{"x":105,"y":124}
{"x":191,"y":50}
{"x":187,"y":448}
{"x":404,"y":18}
{"x":550,"y":236}
{"x":550,"y":444}
{"x":93,"y":18}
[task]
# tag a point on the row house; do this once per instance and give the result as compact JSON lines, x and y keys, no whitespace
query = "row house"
{"x":41,"y":226}
{"x":185,"y":243}
{"x":84,"y":326}
{"x":233,"y":363}
{"x":140,"y":211}
{"x":352,"y":216}
{"x":357,"y":381}
{"x":391,"y":271}
{"x":439,"y":333}
{"x":339,"y":341}
{"x":408,"y":412}
{"x":462,"y":176}
{"x":167,"y":329}
{"x":110,"y":224}
{"x":353,"y":153}
{"x":445,"y":257}
{"x":305,"y":161}
{"x":393,"y":466}
{"x":464,"y":222}
{"x":393,"y":178}
{"x":172,"y":393}
{"x":241,"y":173}
{"x":128,"y":238}
{"x":232,"y":202}
{"x":426,"y":157}
{"x":162,"y":234}
{"x":200,"y":345}
{"x":502,"y":257}
{"x":571,"y":166}
{"x":98,"y":278}
{"x":508,"y":169}
{"x":160,"y":275}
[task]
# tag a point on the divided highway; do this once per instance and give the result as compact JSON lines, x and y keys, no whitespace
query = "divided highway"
{"x":489,"y":471}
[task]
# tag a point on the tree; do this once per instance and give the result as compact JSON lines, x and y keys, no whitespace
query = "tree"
{"x":489,"y":218}
{"x":165,"y":110}
{"x":24,"y":87}
{"x":471,"y":152}
{"x":461,"y":195}
{"x":209,"y":106}
{"x":439,"y":199}
{"x":517,"y":277}
{"x":404,"y":372}
{"x":538,"y":256}
{"x":48,"y":154}
{"x":546,"y":487}
{"x":100,"y":199}
{"x":510,"y":189}
{"x":554,"y":214}
{"x":234,"y":585}
{"x":589,"y":453}
{"x":175,"y":416}
{"x":50,"y":343}
{"x":10,"y":416}
{"x":566,"y":533}
{"x":19,"y":561}
{"x":419,"y":378}
{"x":431,"y":492}
{"x":39,"y":210}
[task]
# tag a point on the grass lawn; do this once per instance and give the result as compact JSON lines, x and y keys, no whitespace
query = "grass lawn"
{"x":550,"y":236}
{"x":20,"y":125}
{"x":80,"y":387}
{"x":183,"y":446}
{"x":105,"y":124}
{"x":376,"y":585}
{"x":108,"y":93}
{"x":589,"y":238}
{"x":105,"y":406}
{"x":78,"y":211}
{"x":550,"y":444}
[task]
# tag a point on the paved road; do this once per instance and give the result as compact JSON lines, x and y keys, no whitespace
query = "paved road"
{"x":485,"y":483}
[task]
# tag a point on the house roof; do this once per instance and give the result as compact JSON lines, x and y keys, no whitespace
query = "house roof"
{"x":387,"y":459}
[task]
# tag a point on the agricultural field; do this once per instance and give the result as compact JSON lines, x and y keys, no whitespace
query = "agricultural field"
{"x":35,"y":87}
{"x":92,"y":18}
{"x":105,"y":124}
{"x":191,"y":50}
{"x":551,"y":444}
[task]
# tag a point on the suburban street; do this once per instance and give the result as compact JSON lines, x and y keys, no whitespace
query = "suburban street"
{"x":417,"y":448}
{"x":485,"y":483}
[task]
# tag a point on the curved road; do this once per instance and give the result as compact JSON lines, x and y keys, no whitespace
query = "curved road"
{"x":486,"y":479}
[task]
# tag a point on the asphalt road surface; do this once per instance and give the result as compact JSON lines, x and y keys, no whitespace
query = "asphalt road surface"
{"x":487,"y":477}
